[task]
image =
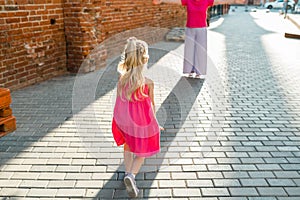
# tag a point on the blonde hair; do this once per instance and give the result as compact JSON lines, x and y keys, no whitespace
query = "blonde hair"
{"x":131,"y":66}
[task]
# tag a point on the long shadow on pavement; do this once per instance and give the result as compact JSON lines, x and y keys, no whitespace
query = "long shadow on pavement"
{"x":46,"y":136}
{"x":259,"y":103}
{"x":47,"y":106}
{"x":175,"y":109}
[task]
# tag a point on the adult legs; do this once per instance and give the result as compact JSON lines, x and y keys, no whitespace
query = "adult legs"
{"x":189,"y":50}
{"x":201,"y":51}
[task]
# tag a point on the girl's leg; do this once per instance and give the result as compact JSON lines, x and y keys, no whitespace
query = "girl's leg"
{"x":132,"y":167}
{"x":128,"y":159}
{"x":136,"y":165}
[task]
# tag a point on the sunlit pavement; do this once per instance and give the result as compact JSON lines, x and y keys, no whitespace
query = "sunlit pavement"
{"x":234,"y":135}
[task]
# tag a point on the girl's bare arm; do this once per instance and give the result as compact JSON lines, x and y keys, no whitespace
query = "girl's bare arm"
{"x":151,"y":93}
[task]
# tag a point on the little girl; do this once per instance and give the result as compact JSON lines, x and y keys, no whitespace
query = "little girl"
{"x":134,"y":123}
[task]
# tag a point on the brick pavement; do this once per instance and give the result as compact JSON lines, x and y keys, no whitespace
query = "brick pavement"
{"x":233,"y":136}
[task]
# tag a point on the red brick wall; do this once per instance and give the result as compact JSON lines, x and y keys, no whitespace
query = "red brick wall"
{"x":40,"y":39}
{"x":31,"y":48}
{"x":88,"y":23}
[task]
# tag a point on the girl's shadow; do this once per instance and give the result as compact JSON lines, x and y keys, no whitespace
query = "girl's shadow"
{"x":174,"y":112}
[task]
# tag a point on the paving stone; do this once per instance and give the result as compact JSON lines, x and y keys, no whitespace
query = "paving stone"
{"x":205,"y":161}
{"x":158,"y":176}
{"x":70,"y":193}
{"x":260,"y":154}
{"x":219,"y":167}
{"x":81,"y":161}
{"x":61,"y":184}
{"x":190,"y":192}
{"x":78,"y":176}
{"x":16,"y":192}
{"x":96,"y":194}
{"x":157,"y":193}
{"x":43,"y":168}
{"x":6,"y":175}
{"x":261,"y":174}
{"x":287,"y":174}
{"x":61,"y":161}
{"x":35,"y":161}
{"x":25,"y":175}
{"x":172,"y":183}
{"x":42,"y":192}
{"x":265,"y":167}
{"x":199,"y":183}
{"x":252,"y":160}
{"x":280,"y":160}
{"x":9,"y":183}
{"x":150,"y":184}
{"x":64,"y":168}
{"x":208,"y":175}
{"x":254,"y":182}
{"x":288,"y":148}
{"x":292,"y":191}
{"x":229,"y":160}
{"x":184,"y":175}
{"x":52,"y":176}
{"x":226,"y":182}
{"x":122,"y":194}
{"x":88,"y":184}
{"x":236,"y":174}
{"x":281,"y":182}
{"x":104,"y":176}
{"x":271,"y":191}
{"x":193,"y":168}
{"x":290,"y":166}
{"x":237,"y":154}
{"x":297,"y":181}
{"x":214,"y":192}
{"x":17,"y":168}
{"x":93,"y":169}
{"x":243,"y":191}
{"x":244,"y":167}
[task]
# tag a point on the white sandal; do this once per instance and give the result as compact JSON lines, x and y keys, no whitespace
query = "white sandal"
{"x":198,"y":76}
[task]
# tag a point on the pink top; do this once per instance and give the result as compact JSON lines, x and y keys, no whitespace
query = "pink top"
{"x":196,"y":12}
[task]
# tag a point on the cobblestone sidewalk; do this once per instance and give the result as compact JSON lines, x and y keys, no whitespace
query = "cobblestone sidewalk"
{"x":234,"y":135}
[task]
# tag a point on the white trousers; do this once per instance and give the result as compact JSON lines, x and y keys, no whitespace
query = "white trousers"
{"x":195,"y":51}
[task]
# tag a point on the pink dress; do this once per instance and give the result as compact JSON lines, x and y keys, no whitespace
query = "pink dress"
{"x":134,"y":123}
